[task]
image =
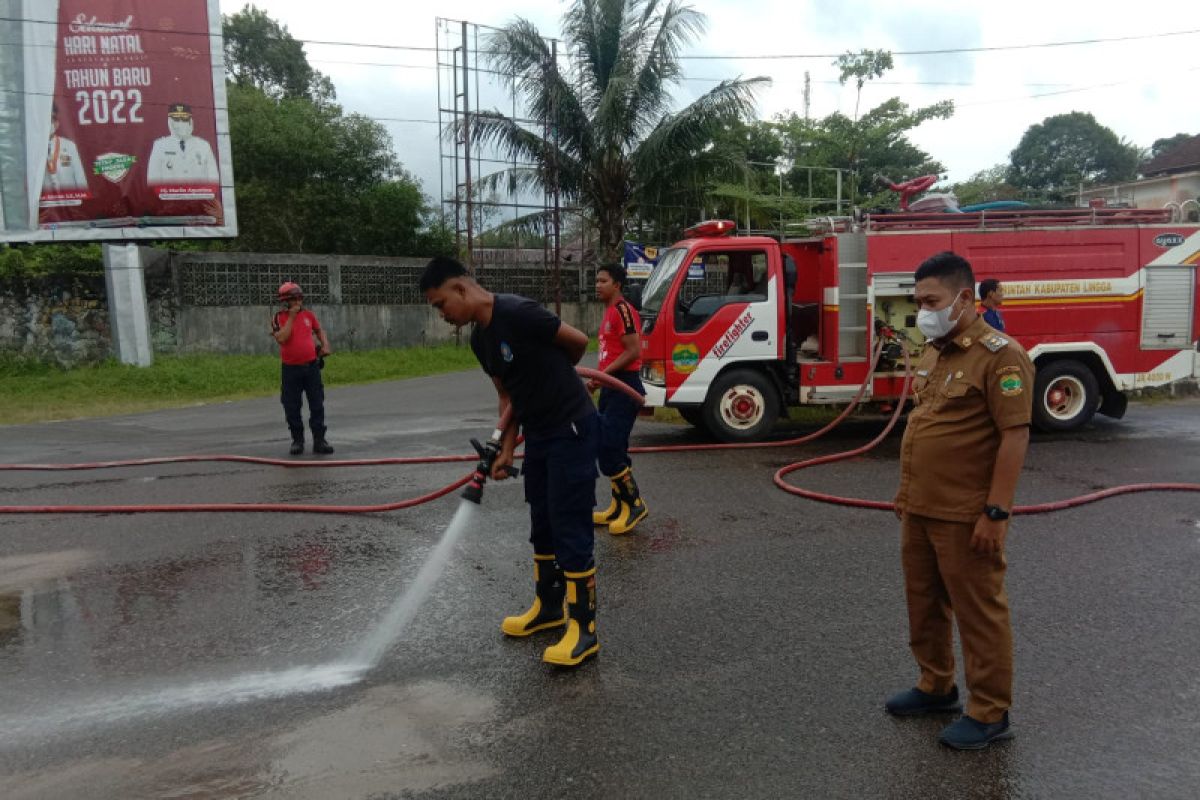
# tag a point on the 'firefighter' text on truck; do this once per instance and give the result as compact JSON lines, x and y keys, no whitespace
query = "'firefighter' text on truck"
{"x":738,"y":328}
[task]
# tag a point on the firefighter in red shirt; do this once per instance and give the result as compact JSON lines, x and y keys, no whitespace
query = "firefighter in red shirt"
{"x":621,"y":357}
{"x":294,"y":328}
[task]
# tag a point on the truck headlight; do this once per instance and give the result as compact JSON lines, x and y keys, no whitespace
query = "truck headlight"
{"x":655,"y":372}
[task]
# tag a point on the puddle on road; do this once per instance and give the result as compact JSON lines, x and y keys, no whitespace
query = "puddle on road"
{"x":29,"y":575}
{"x":18,"y":572}
{"x":393,"y":739}
{"x":115,"y":704}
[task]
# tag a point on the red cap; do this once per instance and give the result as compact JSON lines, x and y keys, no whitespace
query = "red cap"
{"x":289,"y":289}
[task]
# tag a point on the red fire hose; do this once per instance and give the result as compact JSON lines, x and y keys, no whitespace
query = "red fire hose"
{"x":881,"y":505}
{"x":271,"y":507}
{"x":584,"y":372}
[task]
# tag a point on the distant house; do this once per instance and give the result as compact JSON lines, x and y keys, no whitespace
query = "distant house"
{"x":1171,"y":177}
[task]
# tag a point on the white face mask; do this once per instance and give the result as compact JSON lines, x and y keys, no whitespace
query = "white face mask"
{"x":937,"y":324}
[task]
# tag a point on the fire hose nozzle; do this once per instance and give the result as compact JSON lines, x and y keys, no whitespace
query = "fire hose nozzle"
{"x":488,"y":451}
{"x":487,"y":456}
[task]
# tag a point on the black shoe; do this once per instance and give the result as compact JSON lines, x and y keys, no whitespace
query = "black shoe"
{"x":297,"y":447}
{"x":966,"y":733}
{"x":323,"y":447}
{"x":914,"y":701}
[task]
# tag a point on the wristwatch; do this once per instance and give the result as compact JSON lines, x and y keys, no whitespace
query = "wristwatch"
{"x":995,"y":513}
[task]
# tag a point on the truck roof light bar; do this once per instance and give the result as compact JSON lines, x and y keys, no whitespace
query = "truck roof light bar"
{"x":710,"y":228}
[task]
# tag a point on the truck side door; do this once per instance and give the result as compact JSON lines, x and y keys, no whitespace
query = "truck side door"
{"x":725,"y":308}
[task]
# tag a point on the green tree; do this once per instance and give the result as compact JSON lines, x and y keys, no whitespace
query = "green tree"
{"x":746,"y":189}
{"x":260,"y":52}
{"x":877,"y":144}
{"x":613,"y":143}
{"x":1161,"y":146}
{"x":985,"y":185}
{"x":1061,"y":152}
{"x":873,"y":144}
{"x":309,"y":177}
{"x":862,"y":67}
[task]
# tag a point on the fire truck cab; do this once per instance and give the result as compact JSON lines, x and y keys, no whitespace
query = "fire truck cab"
{"x":736,"y":329}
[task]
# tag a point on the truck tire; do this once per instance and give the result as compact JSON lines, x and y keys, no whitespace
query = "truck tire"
{"x":741,"y":406}
{"x":692,"y":415}
{"x":1066,"y":395}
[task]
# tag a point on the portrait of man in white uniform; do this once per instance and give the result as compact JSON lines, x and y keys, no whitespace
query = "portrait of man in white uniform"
{"x":181,"y":157}
{"x":64,"y":167}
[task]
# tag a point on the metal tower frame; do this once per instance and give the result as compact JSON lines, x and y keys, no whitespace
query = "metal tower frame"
{"x":464,"y":164}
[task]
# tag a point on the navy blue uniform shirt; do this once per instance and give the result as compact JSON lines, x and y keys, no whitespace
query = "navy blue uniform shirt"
{"x":518,"y":348}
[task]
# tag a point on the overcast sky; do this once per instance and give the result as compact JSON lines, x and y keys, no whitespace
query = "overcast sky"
{"x":1143,"y":89}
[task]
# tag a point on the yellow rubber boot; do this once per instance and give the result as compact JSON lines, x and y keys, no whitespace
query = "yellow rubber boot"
{"x":579,"y":643}
{"x":609,"y":514}
{"x":632,"y":507}
{"x":547,"y":609}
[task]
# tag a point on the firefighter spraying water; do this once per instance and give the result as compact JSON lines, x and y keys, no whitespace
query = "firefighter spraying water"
{"x":530,"y":355}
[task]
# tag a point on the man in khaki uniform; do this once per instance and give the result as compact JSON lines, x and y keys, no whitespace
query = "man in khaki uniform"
{"x":959,"y":462}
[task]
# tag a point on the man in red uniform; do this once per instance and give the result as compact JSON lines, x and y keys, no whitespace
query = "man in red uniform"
{"x":620,"y":357}
{"x":294,"y":329}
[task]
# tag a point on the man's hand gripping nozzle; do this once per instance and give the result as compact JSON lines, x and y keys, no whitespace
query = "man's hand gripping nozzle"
{"x":488,"y":451}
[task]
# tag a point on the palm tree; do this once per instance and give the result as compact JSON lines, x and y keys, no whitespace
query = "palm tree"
{"x":610,"y":142}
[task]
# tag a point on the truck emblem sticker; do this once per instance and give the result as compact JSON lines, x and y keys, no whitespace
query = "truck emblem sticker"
{"x":1011,"y":386}
{"x":685,"y":358}
{"x":733,"y":334}
{"x":1169,"y":239}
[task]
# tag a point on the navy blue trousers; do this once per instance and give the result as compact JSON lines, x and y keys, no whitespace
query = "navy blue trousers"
{"x":560,"y":487}
{"x":618,"y":412}
{"x":299,"y":380}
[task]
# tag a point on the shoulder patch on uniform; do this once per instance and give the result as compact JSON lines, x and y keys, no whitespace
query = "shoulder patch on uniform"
{"x":1011,"y":385}
{"x":994,"y":342}
{"x":1008,"y":369}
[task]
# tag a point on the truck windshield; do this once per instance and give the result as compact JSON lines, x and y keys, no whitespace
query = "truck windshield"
{"x":661,"y":279}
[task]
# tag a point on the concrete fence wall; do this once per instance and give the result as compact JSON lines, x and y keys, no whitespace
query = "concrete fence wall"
{"x":223,"y":302}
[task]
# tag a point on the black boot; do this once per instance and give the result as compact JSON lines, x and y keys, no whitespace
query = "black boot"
{"x":297,"y":442}
{"x":319,"y":444}
{"x":614,"y":506}
{"x":631,"y":507}
{"x":579,"y":642}
{"x":547,"y":609}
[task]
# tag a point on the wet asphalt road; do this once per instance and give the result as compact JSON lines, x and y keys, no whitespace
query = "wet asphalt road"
{"x":749,"y":637}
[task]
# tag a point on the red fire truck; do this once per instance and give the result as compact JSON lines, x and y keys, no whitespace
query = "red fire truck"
{"x":738,"y":328}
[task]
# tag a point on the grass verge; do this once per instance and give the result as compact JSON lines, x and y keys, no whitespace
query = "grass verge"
{"x":34,"y":392}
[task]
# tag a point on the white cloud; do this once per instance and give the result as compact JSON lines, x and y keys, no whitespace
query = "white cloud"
{"x":1154,"y":93}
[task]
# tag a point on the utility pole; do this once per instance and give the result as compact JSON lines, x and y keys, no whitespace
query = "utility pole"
{"x":466,"y":138}
{"x":554,"y":143}
{"x":807,"y":94}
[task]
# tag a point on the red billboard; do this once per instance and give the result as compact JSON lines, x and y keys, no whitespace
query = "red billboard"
{"x":135,"y":129}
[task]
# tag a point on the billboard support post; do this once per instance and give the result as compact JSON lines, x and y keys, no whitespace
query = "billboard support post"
{"x":128,"y":315}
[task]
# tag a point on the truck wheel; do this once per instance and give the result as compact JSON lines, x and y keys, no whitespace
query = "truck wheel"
{"x":1066,"y":396}
{"x":692,"y":415}
{"x":742,"y":406}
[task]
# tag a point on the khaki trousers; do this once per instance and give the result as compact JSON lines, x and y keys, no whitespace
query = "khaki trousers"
{"x":945,"y":578}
